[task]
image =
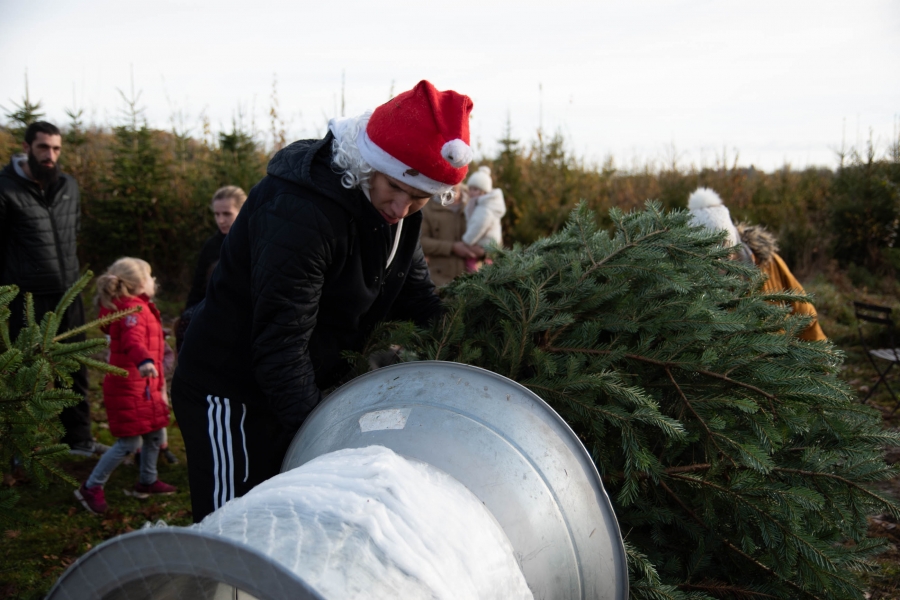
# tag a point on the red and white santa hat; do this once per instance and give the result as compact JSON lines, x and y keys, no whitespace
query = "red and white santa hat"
{"x":421,"y":138}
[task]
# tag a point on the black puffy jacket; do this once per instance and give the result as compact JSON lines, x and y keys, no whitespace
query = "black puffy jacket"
{"x":38,"y":232}
{"x":301,"y":278}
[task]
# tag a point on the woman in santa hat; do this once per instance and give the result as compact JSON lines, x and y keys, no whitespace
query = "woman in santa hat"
{"x":325,"y":247}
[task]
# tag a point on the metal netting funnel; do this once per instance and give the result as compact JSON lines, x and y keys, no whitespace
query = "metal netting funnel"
{"x":506,"y":445}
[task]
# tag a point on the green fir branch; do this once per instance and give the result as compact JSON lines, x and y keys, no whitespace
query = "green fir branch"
{"x":737,"y":550}
{"x":35,"y":380}
{"x":97,"y":323}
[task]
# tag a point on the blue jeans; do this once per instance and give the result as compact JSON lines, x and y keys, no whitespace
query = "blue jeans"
{"x":113,"y":457}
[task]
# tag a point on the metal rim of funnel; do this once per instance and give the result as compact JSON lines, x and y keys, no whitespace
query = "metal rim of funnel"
{"x":142,"y":562}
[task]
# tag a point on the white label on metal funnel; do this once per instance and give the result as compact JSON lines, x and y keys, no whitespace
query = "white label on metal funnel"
{"x":394,"y":418}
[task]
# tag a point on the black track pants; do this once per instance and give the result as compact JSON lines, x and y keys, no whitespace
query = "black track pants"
{"x":231,"y":447}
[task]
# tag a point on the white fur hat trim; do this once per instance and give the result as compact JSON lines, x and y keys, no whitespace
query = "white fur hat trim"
{"x":708,"y":210}
{"x":381,"y":161}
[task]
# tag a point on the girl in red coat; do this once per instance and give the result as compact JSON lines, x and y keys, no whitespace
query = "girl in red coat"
{"x":137,"y":405}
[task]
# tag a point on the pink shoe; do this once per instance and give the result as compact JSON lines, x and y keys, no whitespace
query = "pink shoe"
{"x":93,"y":499}
{"x":157,"y":488}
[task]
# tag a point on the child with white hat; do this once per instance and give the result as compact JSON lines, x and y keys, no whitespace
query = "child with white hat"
{"x":483,"y":213}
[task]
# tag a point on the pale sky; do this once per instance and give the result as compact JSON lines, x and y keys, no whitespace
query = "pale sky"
{"x":775,"y":81}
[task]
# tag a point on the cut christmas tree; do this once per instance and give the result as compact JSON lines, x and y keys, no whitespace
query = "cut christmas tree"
{"x":738,"y":463}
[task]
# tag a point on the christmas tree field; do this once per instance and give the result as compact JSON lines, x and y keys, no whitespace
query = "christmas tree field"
{"x":739,"y":465}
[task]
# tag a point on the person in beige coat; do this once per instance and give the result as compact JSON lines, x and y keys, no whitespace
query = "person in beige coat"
{"x":442,"y":231}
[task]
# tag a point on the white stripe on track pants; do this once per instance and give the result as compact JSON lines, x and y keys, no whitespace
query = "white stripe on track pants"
{"x":231,"y":447}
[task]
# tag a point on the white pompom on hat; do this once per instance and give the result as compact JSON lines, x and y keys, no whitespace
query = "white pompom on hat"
{"x":481,"y":179}
{"x":708,"y":210}
{"x":421,"y":138}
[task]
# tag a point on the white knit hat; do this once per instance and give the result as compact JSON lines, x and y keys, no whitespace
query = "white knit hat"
{"x":481,"y":179}
{"x":708,"y":210}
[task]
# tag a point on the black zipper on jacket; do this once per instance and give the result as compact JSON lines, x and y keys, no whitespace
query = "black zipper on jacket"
{"x":59,"y":259}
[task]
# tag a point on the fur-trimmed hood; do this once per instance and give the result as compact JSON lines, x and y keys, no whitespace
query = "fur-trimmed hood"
{"x":759,"y":240}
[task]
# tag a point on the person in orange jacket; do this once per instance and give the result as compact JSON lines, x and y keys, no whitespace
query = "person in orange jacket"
{"x":756,"y":246}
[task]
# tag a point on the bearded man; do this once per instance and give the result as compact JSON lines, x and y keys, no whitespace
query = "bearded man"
{"x":40,"y":214}
{"x":325,"y":247}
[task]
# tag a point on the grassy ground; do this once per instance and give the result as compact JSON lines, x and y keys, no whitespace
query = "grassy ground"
{"x":32,"y":558}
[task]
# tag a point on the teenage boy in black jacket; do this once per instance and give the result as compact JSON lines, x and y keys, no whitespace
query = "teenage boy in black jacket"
{"x":40,"y":214}
{"x":326,"y":246}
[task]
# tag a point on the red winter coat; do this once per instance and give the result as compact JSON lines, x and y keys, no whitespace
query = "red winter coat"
{"x":134,"y":404}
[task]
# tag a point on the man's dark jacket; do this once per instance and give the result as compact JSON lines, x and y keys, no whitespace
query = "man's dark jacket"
{"x":38,"y":233}
{"x":206,"y":262}
{"x":301,"y":278}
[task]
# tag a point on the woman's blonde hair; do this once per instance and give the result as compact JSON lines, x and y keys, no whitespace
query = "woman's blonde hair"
{"x":230,"y":192}
{"x":125,"y":277}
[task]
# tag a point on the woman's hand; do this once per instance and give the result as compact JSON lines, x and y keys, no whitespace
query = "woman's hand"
{"x":148,"y":370}
{"x":477,"y":251}
{"x":463,"y":250}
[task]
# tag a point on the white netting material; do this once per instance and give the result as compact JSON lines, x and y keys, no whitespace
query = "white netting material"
{"x":367,"y":523}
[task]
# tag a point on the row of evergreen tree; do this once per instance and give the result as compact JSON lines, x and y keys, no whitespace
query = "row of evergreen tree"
{"x":850,"y":214}
{"x":146,"y":191}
